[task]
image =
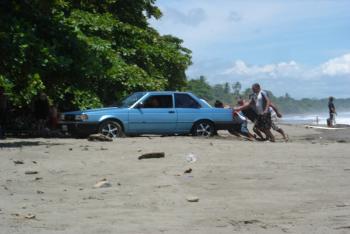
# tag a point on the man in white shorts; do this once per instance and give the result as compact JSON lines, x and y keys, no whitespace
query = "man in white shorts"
{"x":274,"y":120}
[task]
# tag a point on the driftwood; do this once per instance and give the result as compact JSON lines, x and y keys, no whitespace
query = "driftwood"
{"x":99,"y":137}
{"x":189,"y":170}
{"x":31,"y":172}
{"x":192,"y":199}
{"x":152,"y":155}
{"x":103,"y":184}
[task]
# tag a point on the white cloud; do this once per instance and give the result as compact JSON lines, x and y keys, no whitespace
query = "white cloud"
{"x":325,"y":79}
{"x":282,"y":69}
{"x":337,"y":66}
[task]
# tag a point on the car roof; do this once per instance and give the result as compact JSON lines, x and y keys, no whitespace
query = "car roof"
{"x":164,"y":92}
{"x":202,"y":101}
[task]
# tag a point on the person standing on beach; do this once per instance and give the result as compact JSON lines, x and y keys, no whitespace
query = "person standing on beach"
{"x":260,"y":102}
{"x":332,"y":112}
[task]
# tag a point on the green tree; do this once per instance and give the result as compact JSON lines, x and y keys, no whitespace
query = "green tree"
{"x":201,"y":88}
{"x":236,"y":87}
{"x":226,"y":88}
{"x":88,"y":52}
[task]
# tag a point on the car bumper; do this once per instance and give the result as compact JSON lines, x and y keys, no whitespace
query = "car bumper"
{"x":226,"y":125}
{"x":79,"y":128}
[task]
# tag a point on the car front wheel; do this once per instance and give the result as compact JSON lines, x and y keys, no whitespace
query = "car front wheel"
{"x":111,"y":129}
{"x":203,"y":128}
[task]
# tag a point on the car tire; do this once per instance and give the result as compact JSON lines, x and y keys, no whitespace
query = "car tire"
{"x":111,"y":129}
{"x":203,"y":128}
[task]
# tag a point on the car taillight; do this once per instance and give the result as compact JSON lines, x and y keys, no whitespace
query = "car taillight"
{"x":234,"y":113}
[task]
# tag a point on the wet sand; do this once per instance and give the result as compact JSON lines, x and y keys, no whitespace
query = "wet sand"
{"x":243,"y":187}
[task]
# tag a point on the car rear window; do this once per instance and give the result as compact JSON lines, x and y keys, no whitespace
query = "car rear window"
{"x":159,"y":101}
{"x":183,"y":100}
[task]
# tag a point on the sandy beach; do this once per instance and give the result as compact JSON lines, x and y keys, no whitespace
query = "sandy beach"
{"x":47,"y":185}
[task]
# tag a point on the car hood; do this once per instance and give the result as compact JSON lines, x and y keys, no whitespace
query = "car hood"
{"x":106,"y":109}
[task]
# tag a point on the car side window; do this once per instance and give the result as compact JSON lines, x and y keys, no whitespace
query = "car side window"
{"x":183,"y":100}
{"x":159,"y":101}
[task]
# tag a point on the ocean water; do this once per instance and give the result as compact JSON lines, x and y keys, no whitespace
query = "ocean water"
{"x":341,"y":118}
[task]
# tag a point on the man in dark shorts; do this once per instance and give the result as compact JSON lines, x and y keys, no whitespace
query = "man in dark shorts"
{"x":332,"y":112}
{"x":250,"y":114}
{"x":260,"y":103}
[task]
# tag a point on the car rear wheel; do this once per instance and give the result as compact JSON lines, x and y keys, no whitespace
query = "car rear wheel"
{"x":203,"y":128}
{"x":111,"y":129}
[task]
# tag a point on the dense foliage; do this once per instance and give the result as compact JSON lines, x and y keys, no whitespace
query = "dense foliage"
{"x":85,"y":53}
{"x":230,"y":94}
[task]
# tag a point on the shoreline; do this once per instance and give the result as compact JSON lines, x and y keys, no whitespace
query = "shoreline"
{"x":311,"y":118}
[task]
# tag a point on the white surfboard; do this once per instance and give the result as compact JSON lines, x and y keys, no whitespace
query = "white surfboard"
{"x":321,"y":127}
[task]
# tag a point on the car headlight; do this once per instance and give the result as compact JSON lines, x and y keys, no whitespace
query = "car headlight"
{"x":81,"y":117}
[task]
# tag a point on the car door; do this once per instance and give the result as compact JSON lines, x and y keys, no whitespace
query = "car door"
{"x":188,"y":109}
{"x":155,"y":115}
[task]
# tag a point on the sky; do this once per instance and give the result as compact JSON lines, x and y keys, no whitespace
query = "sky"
{"x":299,"y":47}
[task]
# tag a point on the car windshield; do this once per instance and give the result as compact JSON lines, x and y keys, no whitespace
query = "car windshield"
{"x":130,"y":100}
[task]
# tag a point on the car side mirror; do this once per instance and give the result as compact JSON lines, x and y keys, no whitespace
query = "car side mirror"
{"x":140,"y":105}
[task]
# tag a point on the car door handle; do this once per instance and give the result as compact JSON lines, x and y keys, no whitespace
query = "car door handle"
{"x":171,"y":112}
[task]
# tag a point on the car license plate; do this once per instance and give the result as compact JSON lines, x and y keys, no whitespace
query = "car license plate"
{"x":64,"y":128}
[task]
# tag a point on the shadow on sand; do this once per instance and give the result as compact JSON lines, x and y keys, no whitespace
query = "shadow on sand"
{"x":20,"y":144}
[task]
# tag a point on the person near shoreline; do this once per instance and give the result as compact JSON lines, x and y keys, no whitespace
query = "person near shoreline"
{"x":260,"y":102}
{"x":332,"y":112}
{"x":275,"y":114}
{"x":3,"y":112}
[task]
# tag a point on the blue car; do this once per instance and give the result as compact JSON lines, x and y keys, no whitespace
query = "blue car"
{"x":162,"y":113}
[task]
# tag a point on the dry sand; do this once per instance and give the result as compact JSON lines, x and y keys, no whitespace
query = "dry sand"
{"x":243,"y":187}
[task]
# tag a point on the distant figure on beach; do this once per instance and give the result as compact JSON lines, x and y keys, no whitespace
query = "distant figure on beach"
{"x":332,"y":112}
{"x":53,"y":117}
{"x":3,"y":112}
{"x":41,"y":110}
{"x":260,"y":102}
